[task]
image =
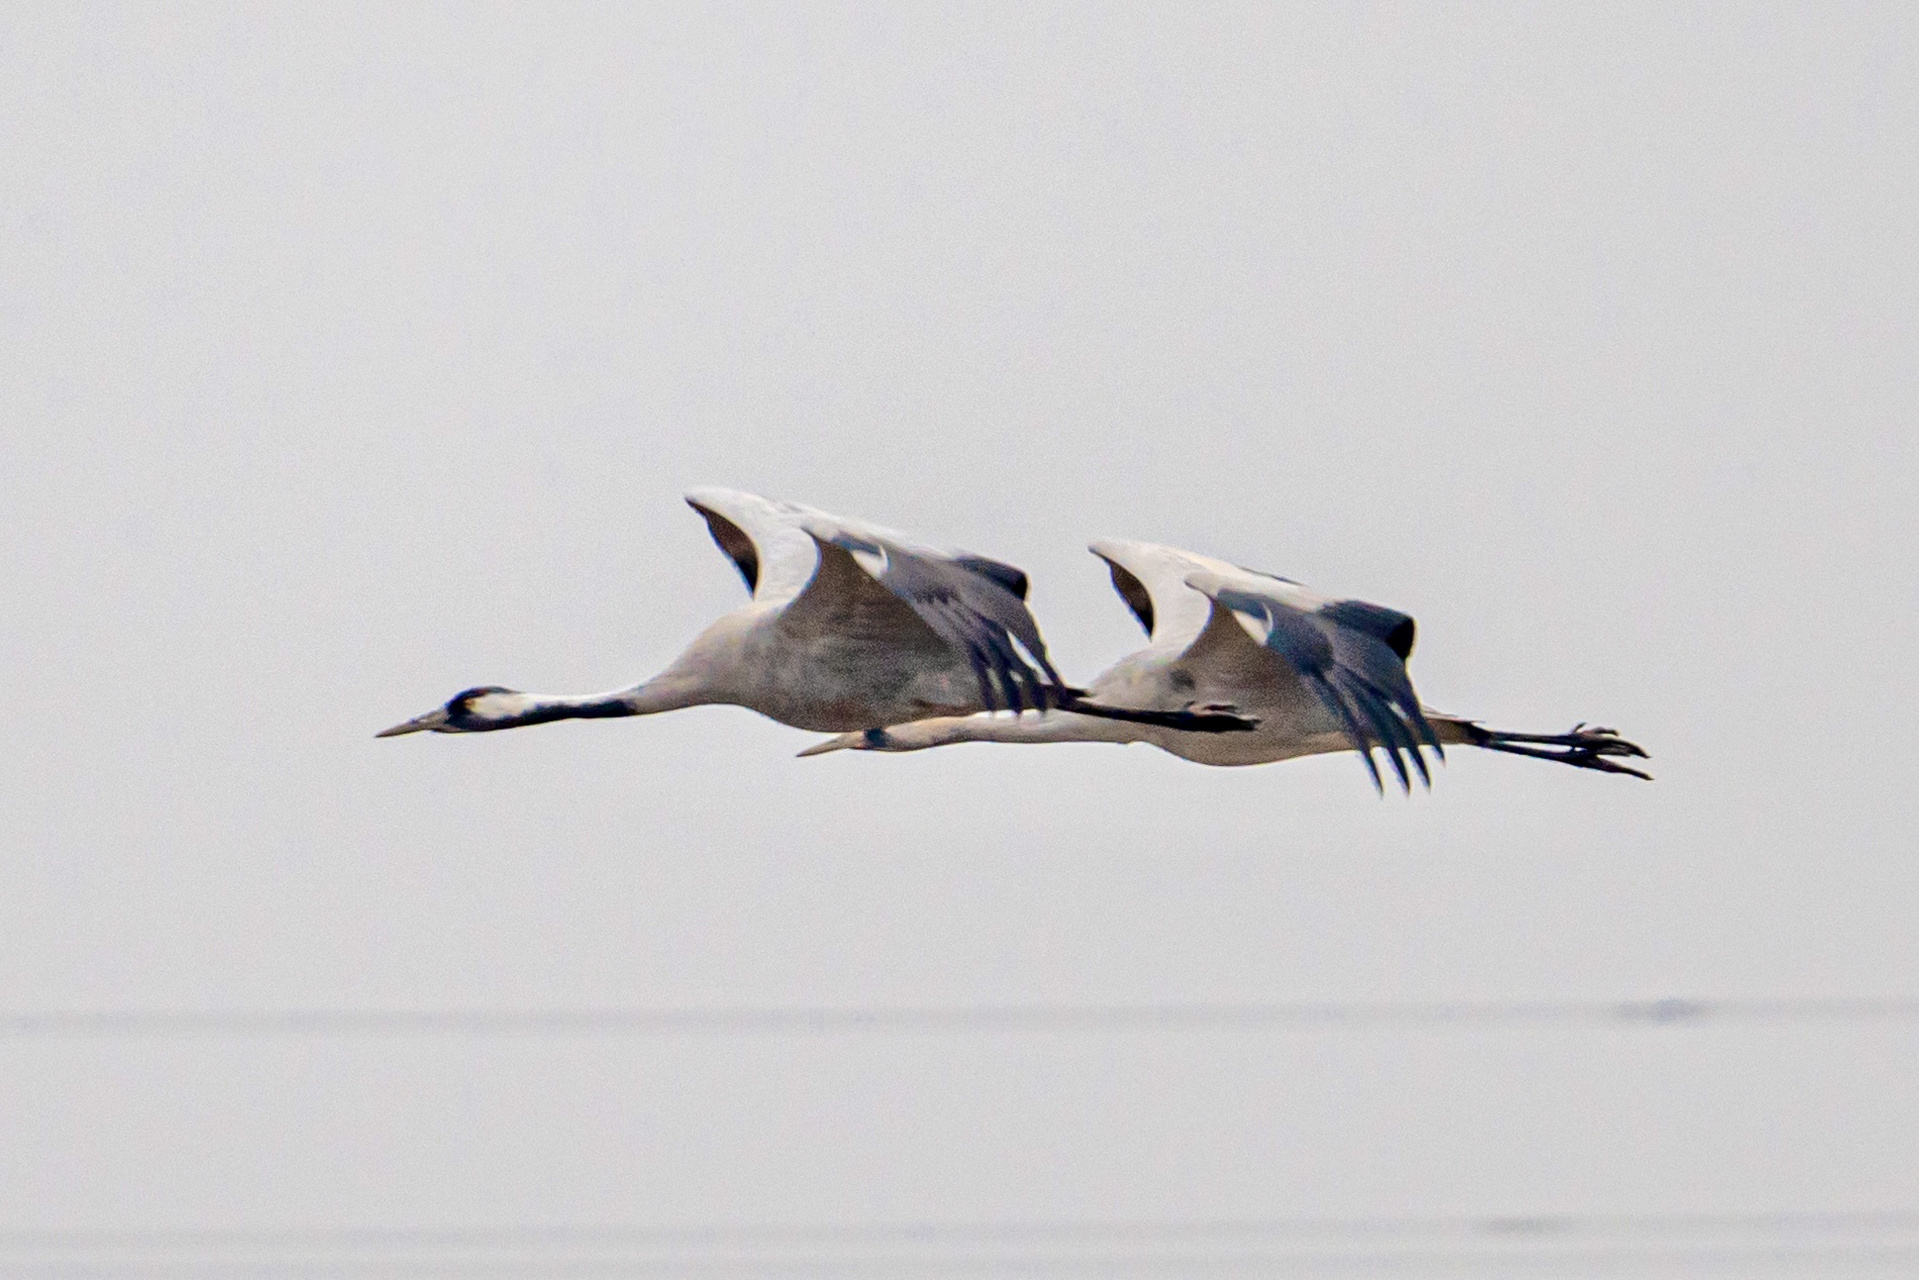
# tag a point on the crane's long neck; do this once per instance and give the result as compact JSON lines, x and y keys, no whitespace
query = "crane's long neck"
{"x":668,"y":691}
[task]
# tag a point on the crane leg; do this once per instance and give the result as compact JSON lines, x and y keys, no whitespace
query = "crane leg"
{"x":1581,"y":747}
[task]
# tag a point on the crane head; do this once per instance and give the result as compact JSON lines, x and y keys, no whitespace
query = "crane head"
{"x":475,"y":710}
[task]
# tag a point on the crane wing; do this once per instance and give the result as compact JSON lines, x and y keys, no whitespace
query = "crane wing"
{"x":1351,"y":654}
{"x":1151,"y":579}
{"x":1226,"y":663}
{"x":974,"y":605}
{"x":764,"y":539}
{"x":869,"y":585}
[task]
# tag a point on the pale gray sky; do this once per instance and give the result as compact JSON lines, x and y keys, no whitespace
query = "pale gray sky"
{"x":355,"y":355}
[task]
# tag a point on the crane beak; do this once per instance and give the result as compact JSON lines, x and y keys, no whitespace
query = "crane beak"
{"x":842,"y":742}
{"x":864,"y":740}
{"x":433,"y":719}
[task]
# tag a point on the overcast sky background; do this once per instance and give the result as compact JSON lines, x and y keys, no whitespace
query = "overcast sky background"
{"x":351,"y":356}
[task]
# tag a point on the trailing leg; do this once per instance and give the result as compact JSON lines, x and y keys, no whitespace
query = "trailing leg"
{"x":1580,"y":747}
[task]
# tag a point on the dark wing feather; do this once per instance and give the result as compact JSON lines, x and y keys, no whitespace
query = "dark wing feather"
{"x":1390,"y":625}
{"x":976,"y":610}
{"x":1346,"y":653}
{"x":733,"y":540}
{"x":1014,"y":580}
{"x":1134,"y":593}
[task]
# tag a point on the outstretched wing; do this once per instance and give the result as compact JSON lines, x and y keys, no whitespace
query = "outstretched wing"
{"x":1151,"y":579}
{"x":974,"y":605}
{"x":1351,"y":654}
{"x":763,"y":538}
{"x":873,"y":587}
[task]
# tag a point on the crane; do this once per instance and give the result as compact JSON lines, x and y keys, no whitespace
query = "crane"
{"x":1312,"y":674}
{"x":851,"y":626}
